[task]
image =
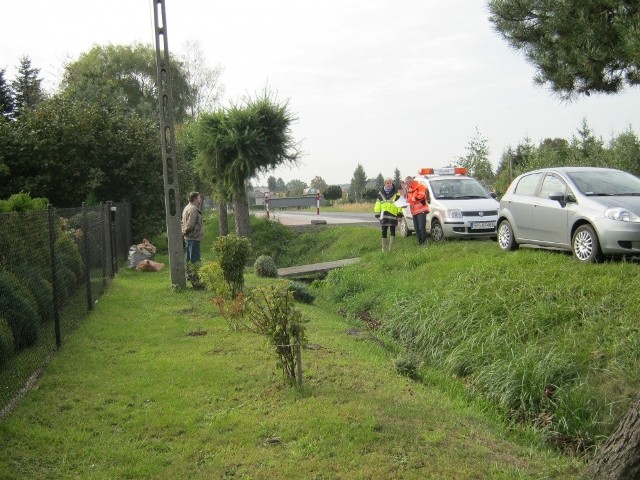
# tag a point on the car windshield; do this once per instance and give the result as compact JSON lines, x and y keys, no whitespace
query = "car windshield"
{"x":457,"y":188}
{"x":605,"y":183}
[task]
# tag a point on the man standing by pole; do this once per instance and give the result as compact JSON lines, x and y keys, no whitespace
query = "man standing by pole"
{"x":193,"y":233}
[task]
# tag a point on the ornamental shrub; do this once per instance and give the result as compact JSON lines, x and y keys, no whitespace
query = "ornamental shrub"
{"x":232,"y":253}
{"x":301,"y":292}
{"x":19,"y":310}
{"x":264,"y":266}
{"x":6,"y":342}
{"x":212,"y":276}
{"x":38,"y":283}
{"x":69,"y":255}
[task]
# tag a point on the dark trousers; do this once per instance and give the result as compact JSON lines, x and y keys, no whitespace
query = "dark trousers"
{"x":420,"y":227}
{"x":392,"y":230}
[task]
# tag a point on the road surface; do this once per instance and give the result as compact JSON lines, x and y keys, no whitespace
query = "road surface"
{"x":305,"y":217}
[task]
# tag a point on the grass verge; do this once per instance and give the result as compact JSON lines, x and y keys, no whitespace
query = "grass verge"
{"x":155,"y":385}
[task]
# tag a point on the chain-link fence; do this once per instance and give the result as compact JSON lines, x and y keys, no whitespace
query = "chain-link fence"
{"x":54,"y":265}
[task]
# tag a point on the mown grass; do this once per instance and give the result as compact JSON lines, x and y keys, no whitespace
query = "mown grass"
{"x":552,"y":342}
{"x":155,"y":385}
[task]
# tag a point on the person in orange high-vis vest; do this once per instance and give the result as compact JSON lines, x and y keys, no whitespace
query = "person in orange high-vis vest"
{"x":418,"y":198}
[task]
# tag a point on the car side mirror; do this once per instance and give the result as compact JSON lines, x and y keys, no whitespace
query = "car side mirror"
{"x":494,"y":195}
{"x":557,"y":196}
{"x":562,"y":198}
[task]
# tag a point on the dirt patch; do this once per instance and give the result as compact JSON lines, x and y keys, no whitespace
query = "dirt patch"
{"x":197,"y":333}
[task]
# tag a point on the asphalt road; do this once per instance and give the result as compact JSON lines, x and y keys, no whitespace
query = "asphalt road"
{"x":306,"y":217}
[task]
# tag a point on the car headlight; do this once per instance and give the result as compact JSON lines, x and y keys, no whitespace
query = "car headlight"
{"x":455,"y":213}
{"x":622,"y":215}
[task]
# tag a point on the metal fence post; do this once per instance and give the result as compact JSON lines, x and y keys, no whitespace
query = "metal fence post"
{"x":87,"y":255}
{"x":298,"y":356}
{"x":54,"y":276}
{"x":105,"y":249}
{"x":113,"y":210}
{"x":124,"y":231}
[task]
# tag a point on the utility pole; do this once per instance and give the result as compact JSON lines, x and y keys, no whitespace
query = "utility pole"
{"x":173,"y":212}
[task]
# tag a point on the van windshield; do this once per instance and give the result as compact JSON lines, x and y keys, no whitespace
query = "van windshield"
{"x":457,"y":188}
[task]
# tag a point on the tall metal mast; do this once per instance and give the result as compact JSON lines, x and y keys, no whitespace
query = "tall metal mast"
{"x":172,"y":208}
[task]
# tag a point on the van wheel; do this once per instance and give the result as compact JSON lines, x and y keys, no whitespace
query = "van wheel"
{"x":437,"y":233}
{"x":404,"y":228}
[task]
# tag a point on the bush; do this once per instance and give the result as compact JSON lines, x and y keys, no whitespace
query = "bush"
{"x":332,"y":192}
{"x":270,"y":238}
{"x":6,"y":342}
{"x":66,"y":282}
{"x":232,"y":253}
{"x":264,"y":266}
{"x":212,"y":276}
{"x":271,"y":312}
{"x":40,"y":287}
{"x":301,"y":292}
{"x":161,"y":242}
{"x":93,"y":235}
{"x":69,"y":256}
{"x":19,"y":310}
{"x":22,"y":202}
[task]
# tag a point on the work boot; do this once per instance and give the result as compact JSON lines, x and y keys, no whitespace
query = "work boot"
{"x":385,"y":245}
{"x":392,"y":240}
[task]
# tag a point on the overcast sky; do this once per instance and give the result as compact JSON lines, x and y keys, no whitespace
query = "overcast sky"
{"x":380,"y":83}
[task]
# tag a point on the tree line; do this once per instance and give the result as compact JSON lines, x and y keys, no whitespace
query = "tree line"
{"x":95,"y":138}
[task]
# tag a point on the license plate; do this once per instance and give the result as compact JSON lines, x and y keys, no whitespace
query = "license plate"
{"x":482,"y":225}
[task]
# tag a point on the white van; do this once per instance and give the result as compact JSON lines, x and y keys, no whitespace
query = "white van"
{"x":460,"y":207}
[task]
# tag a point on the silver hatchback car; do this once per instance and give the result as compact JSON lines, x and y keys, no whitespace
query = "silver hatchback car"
{"x":594,"y":212}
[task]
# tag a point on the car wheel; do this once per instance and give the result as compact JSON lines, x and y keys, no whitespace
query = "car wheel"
{"x":506,"y":239}
{"x":585,"y":244}
{"x":404,"y":228}
{"x":437,"y":234}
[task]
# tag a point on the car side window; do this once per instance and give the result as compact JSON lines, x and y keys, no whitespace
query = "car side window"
{"x":527,"y":185}
{"x":552,"y":184}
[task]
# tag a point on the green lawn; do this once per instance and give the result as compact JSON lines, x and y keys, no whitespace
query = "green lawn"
{"x":155,"y":385}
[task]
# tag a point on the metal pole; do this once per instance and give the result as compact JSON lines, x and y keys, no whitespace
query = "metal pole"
{"x":266,"y":203}
{"x":105,"y":244}
{"x":87,"y":255}
{"x":110,"y":240}
{"x":167,"y":138}
{"x":298,"y":356}
{"x":113,"y":211}
{"x":54,"y":276}
{"x":318,"y":203}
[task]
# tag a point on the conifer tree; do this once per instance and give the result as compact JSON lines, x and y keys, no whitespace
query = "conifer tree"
{"x":6,"y":96}
{"x":27,"y":87}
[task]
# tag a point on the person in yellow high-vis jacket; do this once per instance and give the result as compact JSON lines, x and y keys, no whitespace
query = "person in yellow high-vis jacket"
{"x":388,"y":213}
